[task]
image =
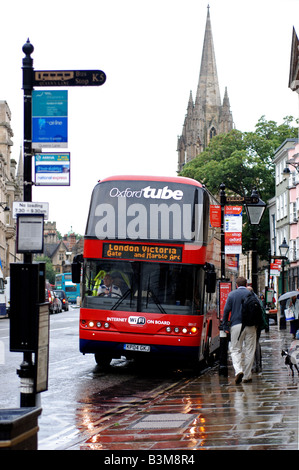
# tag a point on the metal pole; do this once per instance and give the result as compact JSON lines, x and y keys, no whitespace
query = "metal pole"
{"x":222,"y":203}
{"x":269,"y":269}
{"x":282,"y":278}
{"x":282,"y":322}
{"x":254,"y":263}
{"x":223,"y":346}
{"x":26,"y":371}
{"x":27,"y":87}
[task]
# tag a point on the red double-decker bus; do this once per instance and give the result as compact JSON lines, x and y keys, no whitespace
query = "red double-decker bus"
{"x":149,"y":271}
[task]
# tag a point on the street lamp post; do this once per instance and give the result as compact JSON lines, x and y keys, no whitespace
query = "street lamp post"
{"x":283,"y":249}
{"x":26,"y":371}
{"x":255,"y":208}
{"x":293,"y":163}
{"x":255,"y":213}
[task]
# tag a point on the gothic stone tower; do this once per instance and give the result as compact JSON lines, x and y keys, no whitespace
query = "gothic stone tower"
{"x":207,"y":116}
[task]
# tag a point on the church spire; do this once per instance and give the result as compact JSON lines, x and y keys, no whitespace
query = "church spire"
{"x":208,"y":92}
{"x":207,"y":117}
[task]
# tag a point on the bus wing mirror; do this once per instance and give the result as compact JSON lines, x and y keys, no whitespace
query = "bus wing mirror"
{"x":210,"y":278}
{"x":76,"y":273}
{"x":211,"y":282}
{"x":76,"y":270}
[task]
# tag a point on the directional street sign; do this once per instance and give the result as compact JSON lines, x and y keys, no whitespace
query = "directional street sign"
{"x":246,"y":199}
{"x":68,"y":78}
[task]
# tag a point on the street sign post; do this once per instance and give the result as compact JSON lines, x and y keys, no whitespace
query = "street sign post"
{"x":31,"y":79}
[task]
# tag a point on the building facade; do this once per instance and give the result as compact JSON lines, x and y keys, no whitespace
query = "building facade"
{"x":207,"y":116}
{"x":293,"y":269}
{"x":285,"y":224}
{"x":11,"y":189}
{"x":283,"y":183}
{"x":61,"y":252}
{"x":284,"y":207}
{"x":284,"y":213}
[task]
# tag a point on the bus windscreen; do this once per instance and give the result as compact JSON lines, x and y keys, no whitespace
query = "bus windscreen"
{"x":143,"y":287}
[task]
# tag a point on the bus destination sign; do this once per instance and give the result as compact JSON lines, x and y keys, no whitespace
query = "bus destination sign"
{"x":142,"y":252}
{"x":69,"y":78}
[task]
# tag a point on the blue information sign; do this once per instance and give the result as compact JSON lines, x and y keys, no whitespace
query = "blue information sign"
{"x":49,"y":119}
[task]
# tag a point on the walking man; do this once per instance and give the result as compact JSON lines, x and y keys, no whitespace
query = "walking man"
{"x":244,"y":343}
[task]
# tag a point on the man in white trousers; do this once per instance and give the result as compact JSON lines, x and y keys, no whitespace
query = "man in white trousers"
{"x":244,"y":344}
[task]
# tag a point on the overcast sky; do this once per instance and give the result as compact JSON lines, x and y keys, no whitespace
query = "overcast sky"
{"x":151,"y":54}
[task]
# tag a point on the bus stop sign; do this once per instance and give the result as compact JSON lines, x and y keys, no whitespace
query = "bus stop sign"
{"x":68,"y":78}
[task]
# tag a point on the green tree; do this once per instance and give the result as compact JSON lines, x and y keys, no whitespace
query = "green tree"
{"x":243,"y":160}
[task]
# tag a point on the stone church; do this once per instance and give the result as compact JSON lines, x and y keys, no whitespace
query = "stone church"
{"x":206,"y":117}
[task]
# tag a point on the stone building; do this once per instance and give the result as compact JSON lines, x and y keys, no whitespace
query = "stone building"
{"x":206,"y":117}
{"x":11,"y":189}
{"x":60,"y":252}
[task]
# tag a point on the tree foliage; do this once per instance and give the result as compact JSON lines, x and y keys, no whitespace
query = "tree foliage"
{"x":242,"y":161}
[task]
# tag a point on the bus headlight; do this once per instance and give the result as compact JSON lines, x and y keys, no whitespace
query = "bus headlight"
{"x":184,"y":330}
{"x":168,"y":329}
{"x":106,"y":325}
{"x":99,"y":324}
{"x":91,"y":324}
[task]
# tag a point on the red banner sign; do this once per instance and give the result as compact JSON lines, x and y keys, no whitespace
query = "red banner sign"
{"x":215,"y":215}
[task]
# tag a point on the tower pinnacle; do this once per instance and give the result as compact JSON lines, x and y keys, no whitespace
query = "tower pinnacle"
{"x":208,"y":116}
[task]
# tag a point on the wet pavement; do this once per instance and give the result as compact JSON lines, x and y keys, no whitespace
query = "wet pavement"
{"x":207,"y":412}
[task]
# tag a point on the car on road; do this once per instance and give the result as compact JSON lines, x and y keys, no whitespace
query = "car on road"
{"x":55,"y":305}
{"x":63,"y":298}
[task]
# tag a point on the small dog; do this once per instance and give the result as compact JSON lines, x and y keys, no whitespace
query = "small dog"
{"x":292,"y":356}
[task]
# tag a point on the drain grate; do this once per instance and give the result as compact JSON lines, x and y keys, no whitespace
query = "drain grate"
{"x":163,"y":421}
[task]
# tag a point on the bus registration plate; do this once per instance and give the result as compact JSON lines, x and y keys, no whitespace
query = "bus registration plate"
{"x":137,"y":347}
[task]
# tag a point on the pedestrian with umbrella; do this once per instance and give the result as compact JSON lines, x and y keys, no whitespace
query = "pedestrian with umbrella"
{"x":292,"y":309}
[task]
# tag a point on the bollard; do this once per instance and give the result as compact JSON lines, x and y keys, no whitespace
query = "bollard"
{"x":18,"y":428}
{"x":223,"y":353}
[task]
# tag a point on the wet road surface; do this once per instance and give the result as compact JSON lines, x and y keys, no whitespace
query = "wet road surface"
{"x":145,"y":408}
{"x":190,"y":413}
